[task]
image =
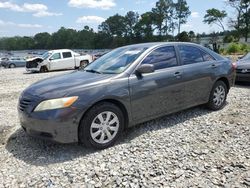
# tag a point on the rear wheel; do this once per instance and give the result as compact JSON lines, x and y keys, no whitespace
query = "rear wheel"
{"x":218,"y":96}
{"x":12,"y":66}
{"x":101,"y":126}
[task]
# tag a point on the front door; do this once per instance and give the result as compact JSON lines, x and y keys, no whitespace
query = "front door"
{"x":55,"y":61}
{"x":160,"y":92}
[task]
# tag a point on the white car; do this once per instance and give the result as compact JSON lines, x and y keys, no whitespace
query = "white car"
{"x":57,"y":60}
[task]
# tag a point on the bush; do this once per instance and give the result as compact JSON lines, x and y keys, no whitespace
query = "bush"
{"x":233,"y":48}
{"x":238,"y":48}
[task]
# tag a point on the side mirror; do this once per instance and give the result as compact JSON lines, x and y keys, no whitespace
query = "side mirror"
{"x":145,"y":68}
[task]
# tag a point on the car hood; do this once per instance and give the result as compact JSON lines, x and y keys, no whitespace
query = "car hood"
{"x":63,"y":85}
{"x":34,"y":59}
{"x":243,"y":64}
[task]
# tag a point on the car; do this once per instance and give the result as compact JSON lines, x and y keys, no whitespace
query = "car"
{"x":3,"y":59}
{"x":243,"y":69}
{"x":123,"y":88}
{"x":98,"y":55}
{"x":14,"y":62}
{"x":58,"y":60}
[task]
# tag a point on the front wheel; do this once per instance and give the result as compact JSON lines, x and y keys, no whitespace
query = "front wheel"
{"x":43,"y":69}
{"x":83,"y":64}
{"x":12,"y":66}
{"x":101,"y":126}
{"x":218,"y":96}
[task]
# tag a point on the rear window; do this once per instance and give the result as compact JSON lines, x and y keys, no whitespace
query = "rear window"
{"x":67,"y":54}
{"x":190,"y":55}
{"x":207,"y":57}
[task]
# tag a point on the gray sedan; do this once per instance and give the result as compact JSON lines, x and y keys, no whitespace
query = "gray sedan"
{"x":243,"y":69}
{"x":14,"y":62}
{"x":125,"y":87}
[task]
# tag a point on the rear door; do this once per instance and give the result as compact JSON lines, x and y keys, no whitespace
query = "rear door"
{"x":160,"y":92}
{"x":68,"y":60}
{"x":198,"y":72}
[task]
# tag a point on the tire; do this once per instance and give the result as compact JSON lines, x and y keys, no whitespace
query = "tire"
{"x":12,"y":66}
{"x":218,"y":96}
{"x":98,"y":134}
{"x":83,"y":64}
{"x":43,"y":69}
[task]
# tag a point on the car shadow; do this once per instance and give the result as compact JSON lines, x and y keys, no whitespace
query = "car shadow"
{"x":242,"y":84}
{"x":62,"y":70}
{"x":41,"y":152}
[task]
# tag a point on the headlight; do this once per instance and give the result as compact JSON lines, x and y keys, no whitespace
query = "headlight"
{"x":55,"y":103}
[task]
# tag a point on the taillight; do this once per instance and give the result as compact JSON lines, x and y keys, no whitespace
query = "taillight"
{"x":234,"y":65}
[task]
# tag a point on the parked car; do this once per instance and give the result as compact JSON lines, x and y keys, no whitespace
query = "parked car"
{"x":57,"y":60}
{"x":13,"y":62}
{"x":98,"y":55}
{"x":3,"y":59}
{"x":243,"y":69}
{"x":127,"y":86}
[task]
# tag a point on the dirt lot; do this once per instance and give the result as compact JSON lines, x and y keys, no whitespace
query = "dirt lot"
{"x":193,"y":148}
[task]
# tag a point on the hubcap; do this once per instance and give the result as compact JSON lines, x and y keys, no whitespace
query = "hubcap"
{"x":219,"y":95}
{"x":104,"y":127}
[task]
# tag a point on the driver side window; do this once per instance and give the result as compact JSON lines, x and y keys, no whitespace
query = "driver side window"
{"x":162,"y":58}
{"x":56,"y":56}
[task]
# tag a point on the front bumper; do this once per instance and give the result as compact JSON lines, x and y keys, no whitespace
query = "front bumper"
{"x":243,"y":77}
{"x":59,"y":125}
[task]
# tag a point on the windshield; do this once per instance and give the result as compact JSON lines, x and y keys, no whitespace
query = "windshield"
{"x":46,"y":55}
{"x":116,"y":61}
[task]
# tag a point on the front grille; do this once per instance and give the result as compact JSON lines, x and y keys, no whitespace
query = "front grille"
{"x":24,"y":104}
{"x":244,"y":71}
{"x":31,"y":65}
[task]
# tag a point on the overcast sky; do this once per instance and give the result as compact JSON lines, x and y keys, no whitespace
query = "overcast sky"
{"x":26,"y":17}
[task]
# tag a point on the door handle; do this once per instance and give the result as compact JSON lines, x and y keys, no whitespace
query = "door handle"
{"x":214,"y":66}
{"x":177,"y":74}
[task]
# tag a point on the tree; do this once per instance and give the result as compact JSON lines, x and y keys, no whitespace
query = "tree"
{"x":242,"y":21}
{"x":215,"y":16}
{"x":182,"y":13}
{"x":42,"y":40}
{"x":191,"y":35}
{"x":183,"y":37}
{"x":159,"y":15}
{"x":131,"y":19}
{"x":163,"y":16}
{"x":114,"y":25}
{"x":144,"y":28}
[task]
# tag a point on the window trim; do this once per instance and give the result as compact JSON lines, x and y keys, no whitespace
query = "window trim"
{"x":157,"y":47}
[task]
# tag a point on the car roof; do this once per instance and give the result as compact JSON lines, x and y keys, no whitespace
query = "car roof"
{"x":155,"y":44}
{"x":60,"y":50}
{"x":151,"y":45}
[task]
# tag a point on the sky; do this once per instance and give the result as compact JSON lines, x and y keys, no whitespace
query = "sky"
{"x":26,"y":17}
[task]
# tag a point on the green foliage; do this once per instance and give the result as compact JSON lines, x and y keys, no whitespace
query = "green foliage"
{"x":241,"y":21}
{"x":215,"y":16}
{"x":183,"y":37}
{"x":238,"y":48}
{"x":228,"y":39}
{"x":182,"y":12}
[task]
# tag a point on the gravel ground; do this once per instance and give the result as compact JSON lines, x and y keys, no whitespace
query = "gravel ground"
{"x":192,"y":148}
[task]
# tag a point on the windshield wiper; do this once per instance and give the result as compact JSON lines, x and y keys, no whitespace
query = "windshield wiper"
{"x":93,"y":71}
